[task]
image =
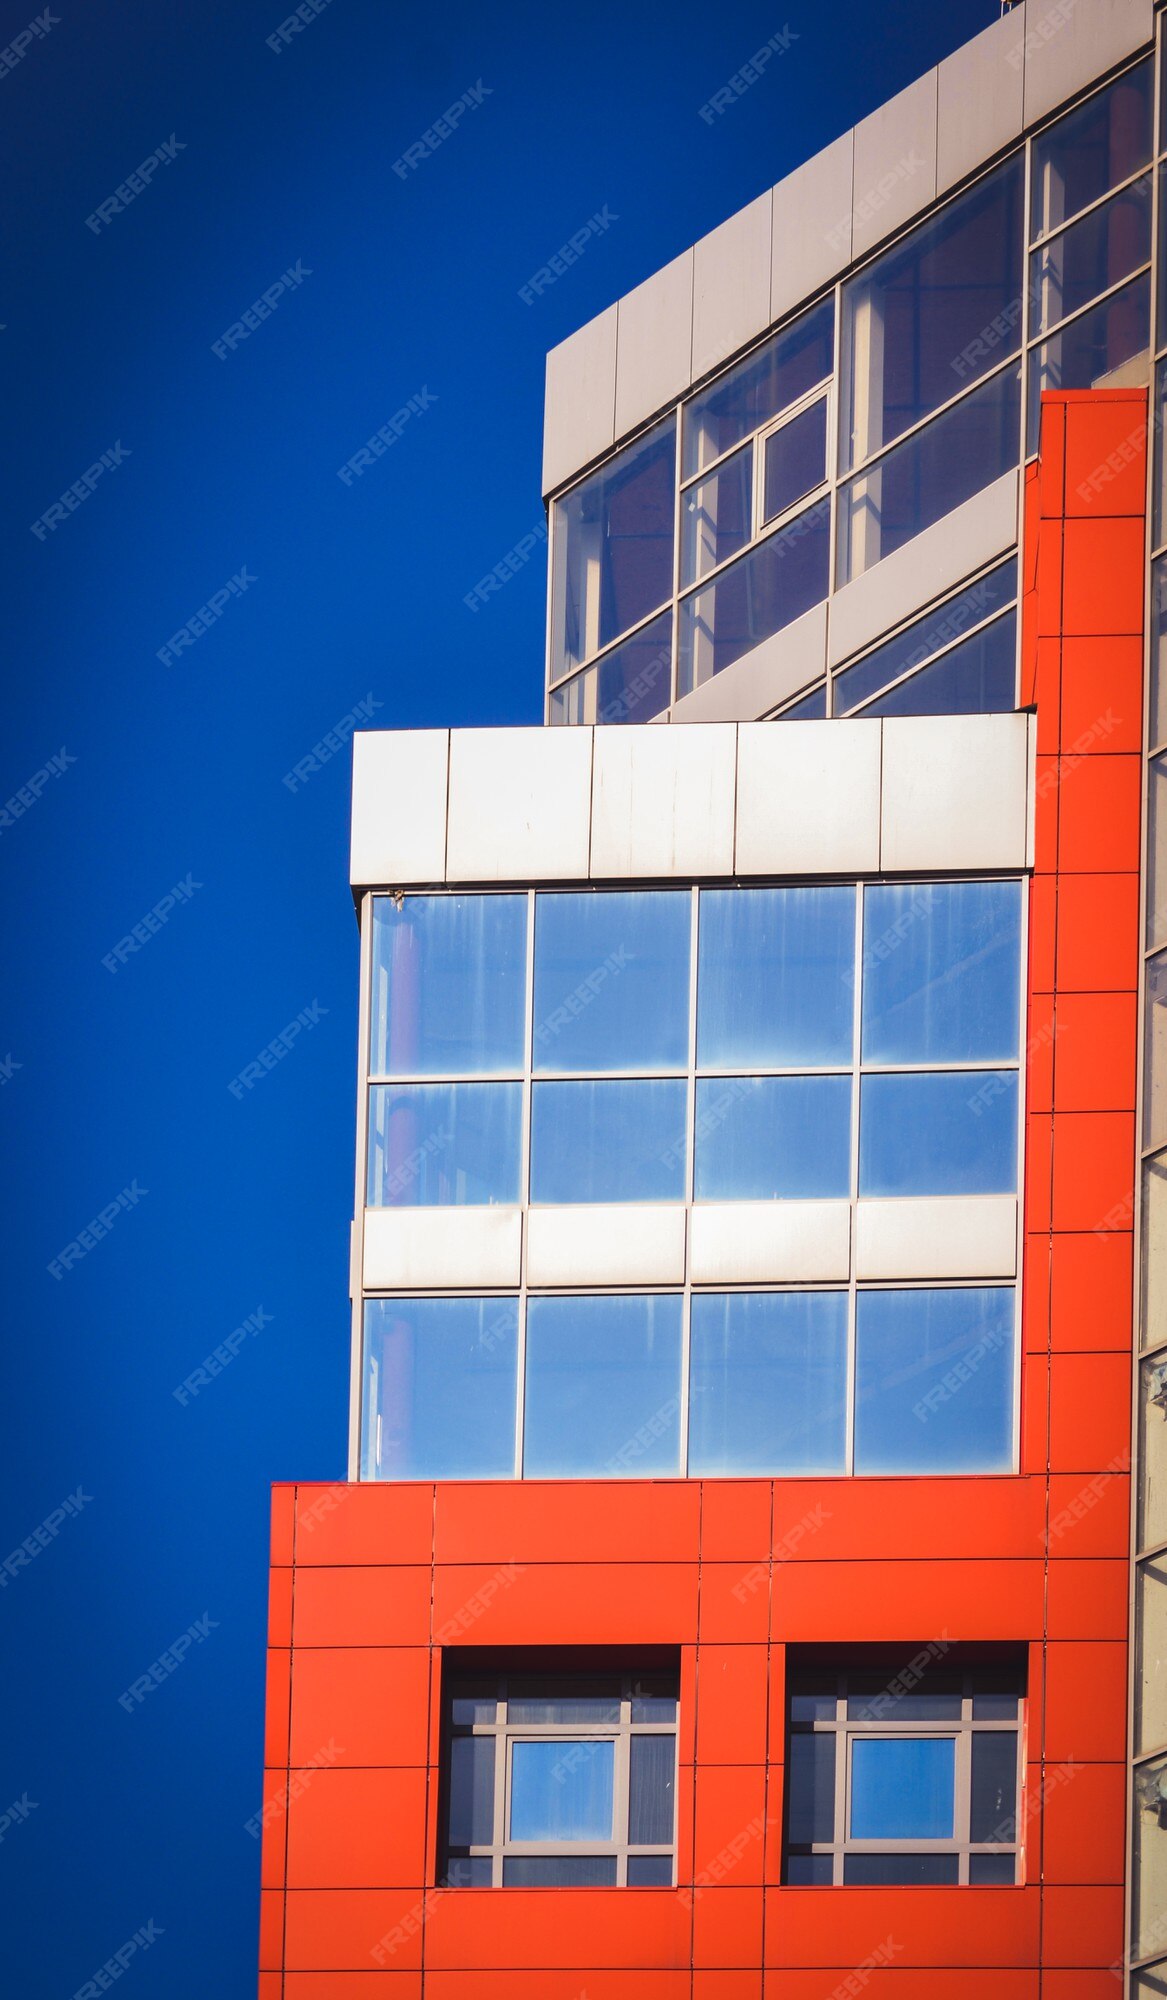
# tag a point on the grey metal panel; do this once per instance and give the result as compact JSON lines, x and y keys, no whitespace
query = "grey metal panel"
{"x":580,"y":411}
{"x":812,"y":225}
{"x":654,"y":343}
{"x":1070,"y":42}
{"x":731,"y":286}
{"x":980,"y":99}
{"x":895,"y":164}
{"x":764,"y":676}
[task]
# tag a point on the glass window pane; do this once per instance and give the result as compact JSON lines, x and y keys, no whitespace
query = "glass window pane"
{"x":812,"y":707}
{"x":603,"y":1386}
{"x":650,"y":1871}
{"x":934,"y":1381}
{"x":613,"y":549}
{"x":471,"y":1791}
{"x":440,"y":1388}
{"x":991,"y":1869}
{"x":767,"y":1138}
{"x":932,"y":314}
{"x":942,"y":973}
{"x":930,"y":474}
{"x":809,"y":1870}
{"x":577,"y":1705}
{"x":1090,"y":352}
{"x":978,"y":677}
{"x":1158,"y":716}
{"x":755,"y":597}
{"x":448,"y":985}
{"x":1152,"y":1529}
{"x":1151,"y":1654}
{"x":759,"y":388}
{"x":469,"y":1871}
{"x":926,"y":637}
{"x":796,"y":460}
{"x":632,"y":683}
{"x":871,"y":1697}
{"x":909,"y":1870}
{"x":1092,"y":149}
{"x":768,"y":1383}
{"x":652,"y":1776}
{"x":775,"y":977}
{"x":559,"y":1871}
{"x":1155,"y":1053}
{"x":562,"y":1790}
{"x":813,"y":1707}
{"x":612,"y":980}
{"x":654,"y":1699}
{"x":1149,"y":1870}
{"x":444,"y":1145}
{"x":902,"y":1787}
{"x":1157,"y":851}
{"x":610,"y":1141}
{"x":947,"y":1133}
{"x":810,"y":1786}
{"x":1091,"y":256}
{"x":717,"y":516}
{"x":466,"y":1708}
{"x":993,"y":1814}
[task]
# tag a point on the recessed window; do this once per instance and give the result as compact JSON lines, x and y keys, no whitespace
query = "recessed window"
{"x":903,"y":1767}
{"x":559,"y":1777}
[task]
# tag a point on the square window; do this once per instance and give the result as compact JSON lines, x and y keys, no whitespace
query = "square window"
{"x":775,"y":978}
{"x":768,"y":1383}
{"x":560,"y":1780}
{"x":612,"y":980}
{"x":902,"y":1787}
{"x":768,"y":1138}
{"x":603,"y":1386}
{"x":939,"y":1132}
{"x":609,"y":1141}
{"x":440,"y":1379}
{"x":445,"y":1145}
{"x":941,"y":972}
{"x":449,"y":985}
{"x":934,"y":1380}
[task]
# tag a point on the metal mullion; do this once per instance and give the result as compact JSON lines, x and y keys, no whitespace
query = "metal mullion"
{"x":869,"y":465}
{"x":360,"y":1194}
{"x":412,"y":1081}
{"x":1037,"y":243}
{"x":678,"y":526}
{"x":1038,"y":340}
{"x":690,"y":1180}
{"x":852,"y":1278}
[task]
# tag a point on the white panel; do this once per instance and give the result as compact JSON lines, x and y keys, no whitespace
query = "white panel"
{"x":579,"y":420}
{"x":812,"y":226}
{"x":895,"y":164}
{"x":935,"y":561}
{"x":1070,"y":42}
{"x":519,"y":803}
{"x":654,"y":343}
{"x":731,"y":286}
{"x":965,"y":1237}
{"x":769,"y":1242}
{"x":954,"y":791}
{"x":621,"y":1244}
{"x":980,"y":98}
{"x":429,"y":1249}
{"x":1031,"y":799}
{"x":807,"y":798}
{"x":663,"y":805}
{"x":399,"y":807}
{"x":763,"y":677}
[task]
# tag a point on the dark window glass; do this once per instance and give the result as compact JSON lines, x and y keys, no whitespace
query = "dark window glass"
{"x":933,"y":314}
{"x":810,"y":1780}
{"x":986,"y":1869}
{"x":978,"y":677}
{"x":613,"y":548}
{"x":812,"y":708}
{"x":796,"y":460}
{"x":468,"y":1871}
{"x":1091,"y":256}
{"x":471,"y":1791}
{"x":651,"y":1788}
{"x":1093,"y":148}
{"x":717,"y":515}
{"x":559,"y":1871}
{"x":1090,"y":351}
{"x":994,"y":1786}
{"x":905,"y":1869}
{"x":755,"y":597}
{"x":760,"y":387}
{"x":632,"y":683}
{"x":650,"y":1871}
{"x":926,"y":637}
{"x":808,"y":1870}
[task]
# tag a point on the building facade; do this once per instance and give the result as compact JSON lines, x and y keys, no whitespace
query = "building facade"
{"x":757,"y":1269}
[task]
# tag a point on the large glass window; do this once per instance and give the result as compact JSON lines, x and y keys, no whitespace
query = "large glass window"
{"x":1090,"y":351}
{"x":603,"y":1386}
{"x":612,"y":980}
{"x":613,"y":544}
{"x":932,"y":315}
{"x":775,"y":978}
{"x":631,"y":683}
{"x":560,"y":1778}
{"x":758,"y":389}
{"x":768,"y":1383}
{"x":772,"y":1138}
{"x":941,"y":972}
{"x":934,"y":1380}
{"x":1092,"y":149}
{"x":903,"y":1767}
{"x":755,"y":597}
{"x":444,"y":1145}
{"x":448,"y":985}
{"x":439,"y":1388}
{"x":929,"y":637}
{"x":1091,"y":256}
{"x":609,"y":1141}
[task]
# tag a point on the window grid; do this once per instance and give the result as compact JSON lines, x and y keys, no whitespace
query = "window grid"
{"x":847,"y":1730}
{"x":504,"y":1733}
{"x":1024,"y":356}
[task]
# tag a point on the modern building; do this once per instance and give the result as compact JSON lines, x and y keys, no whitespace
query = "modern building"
{"x":760,"y":1254}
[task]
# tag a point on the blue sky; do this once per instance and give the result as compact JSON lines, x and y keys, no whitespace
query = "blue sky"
{"x":115,"y":1071}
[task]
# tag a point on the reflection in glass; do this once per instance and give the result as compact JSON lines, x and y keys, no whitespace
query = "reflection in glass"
{"x":1155,"y":1053}
{"x":934,"y":1380}
{"x":1091,"y":256}
{"x":947,"y":1133}
{"x":612,"y":980}
{"x":1090,"y":351}
{"x":717,"y":516}
{"x":767,"y":1383}
{"x":768,"y":1138}
{"x":632,"y":683}
{"x":934,"y":471}
{"x":942,"y":973}
{"x":926,"y":637}
{"x":775,"y":977}
{"x":650,"y":1871}
{"x":440,"y":1380}
{"x":903,"y":1787}
{"x":444,"y":1145}
{"x":610,"y":1141}
{"x":1157,"y":724}
{"x":796,"y":460}
{"x":652,"y":1775}
{"x":932,"y":315}
{"x":448,"y":985}
{"x":810,"y":1781}
{"x":993,"y":1812}
{"x":1092,"y":149}
{"x":768,"y":381}
{"x":562,"y":1789}
{"x":755,"y":597}
{"x":1151,"y":1653}
{"x":613,"y":549}
{"x":978,"y":677}
{"x":603,"y":1386}
{"x":1149,"y":1861}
